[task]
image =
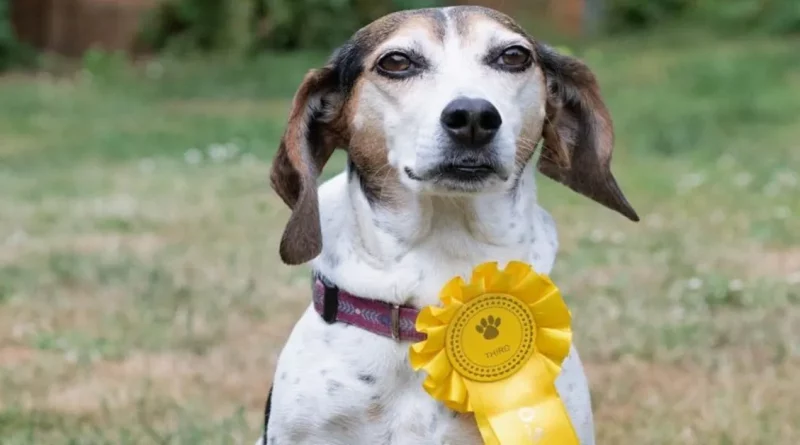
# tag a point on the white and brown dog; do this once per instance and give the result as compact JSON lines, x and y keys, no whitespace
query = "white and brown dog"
{"x":441,"y":112}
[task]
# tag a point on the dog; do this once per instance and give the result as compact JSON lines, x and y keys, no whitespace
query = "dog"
{"x":442,"y":113}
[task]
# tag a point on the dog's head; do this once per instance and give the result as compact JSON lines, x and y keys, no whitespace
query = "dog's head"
{"x":442,"y":101}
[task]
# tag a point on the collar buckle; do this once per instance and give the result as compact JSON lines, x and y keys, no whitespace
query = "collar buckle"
{"x":395,"y":322}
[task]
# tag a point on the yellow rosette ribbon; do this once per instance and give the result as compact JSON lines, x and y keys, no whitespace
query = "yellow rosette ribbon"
{"x":495,"y":348}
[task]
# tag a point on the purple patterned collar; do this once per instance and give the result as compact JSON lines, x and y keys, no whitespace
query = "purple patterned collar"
{"x":378,"y":317}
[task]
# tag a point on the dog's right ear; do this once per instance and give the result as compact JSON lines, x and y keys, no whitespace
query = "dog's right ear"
{"x":307,"y":144}
{"x":578,"y":132}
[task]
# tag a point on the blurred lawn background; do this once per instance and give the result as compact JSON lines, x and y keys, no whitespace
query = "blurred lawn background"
{"x":142,"y":300}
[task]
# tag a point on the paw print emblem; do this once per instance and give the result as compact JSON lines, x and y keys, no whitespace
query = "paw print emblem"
{"x":488,"y":327}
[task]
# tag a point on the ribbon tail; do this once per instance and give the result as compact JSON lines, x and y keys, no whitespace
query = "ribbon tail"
{"x":486,"y":429}
{"x":545,"y":423}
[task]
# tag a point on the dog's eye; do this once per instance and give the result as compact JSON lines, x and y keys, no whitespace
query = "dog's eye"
{"x":395,"y":63}
{"x":515,"y":57}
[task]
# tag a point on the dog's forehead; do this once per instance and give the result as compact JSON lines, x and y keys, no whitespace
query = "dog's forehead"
{"x":432,"y":22}
{"x":474,"y":20}
{"x":470,"y":24}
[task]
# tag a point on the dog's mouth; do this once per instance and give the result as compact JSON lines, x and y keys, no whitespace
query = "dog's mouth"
{"x":454,"y":172}
{"x":465,"y":171}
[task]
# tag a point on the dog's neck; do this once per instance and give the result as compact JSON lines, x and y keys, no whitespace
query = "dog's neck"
{"x":405,"y":253}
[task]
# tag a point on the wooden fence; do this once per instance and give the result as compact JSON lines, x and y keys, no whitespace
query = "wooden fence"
{"x":70,"y":27}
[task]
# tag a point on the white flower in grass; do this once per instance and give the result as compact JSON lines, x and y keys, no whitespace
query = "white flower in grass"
{"x":193,"y":156}
{"x":735,"y":285}
{"x":71,"y":356}
{"x":677,"y":313}
{"x":617,"y":237}
{"x":223,"y":152}
{"x":772,"y":189}
{"x":655,"y":221}
{"x":123,"y":206}
{"x":694,"y":283}
{"x":20,"y":330}
{"x":793,"y":278}
{"x":233,"y":149}
{"x":218,"y":152}
{"x":17,"y":238}
{"x":787,"y":179}
{"x":782,"y":212}
{"x":742,"y":179}
{"x":691,"y":181}
{"x":597,"y":236}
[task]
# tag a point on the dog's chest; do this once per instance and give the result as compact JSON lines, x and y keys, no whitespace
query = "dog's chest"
{"x":411,"y":416}
{"x":337,"y":384}
{"x":340,"y":385}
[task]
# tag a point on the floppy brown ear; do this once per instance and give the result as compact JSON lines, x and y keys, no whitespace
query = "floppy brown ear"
{"x":307,"y":144}
{"x":578,"y":132}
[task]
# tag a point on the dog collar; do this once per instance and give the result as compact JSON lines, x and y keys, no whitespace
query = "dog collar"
{"x":389,"y":320}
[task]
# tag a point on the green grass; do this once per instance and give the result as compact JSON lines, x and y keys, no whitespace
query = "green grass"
{"x":142,"y":301}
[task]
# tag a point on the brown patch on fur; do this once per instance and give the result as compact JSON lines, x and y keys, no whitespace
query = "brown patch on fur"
{"x":375,"y":412}
{"x":369,"y":154}
{"x":433,"y":23}
{"x":531,"y":133}
{"x":383,"y":28}
{"x":578,"y":133}
{"x":465,"y":16}
{"x":367,"y":147}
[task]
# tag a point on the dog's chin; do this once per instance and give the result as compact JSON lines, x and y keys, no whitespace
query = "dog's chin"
{"x":457,"y":180}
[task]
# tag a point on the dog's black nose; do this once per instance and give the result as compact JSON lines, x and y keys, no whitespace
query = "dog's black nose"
{"x":471,"y":122}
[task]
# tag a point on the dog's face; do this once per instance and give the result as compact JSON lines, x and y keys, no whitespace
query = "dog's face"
{"x":456,"y":99}
{"x":442,"y":101}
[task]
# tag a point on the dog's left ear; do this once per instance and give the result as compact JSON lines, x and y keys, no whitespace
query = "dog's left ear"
{"x":578,"y":132}
{"x":307,"y":144}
